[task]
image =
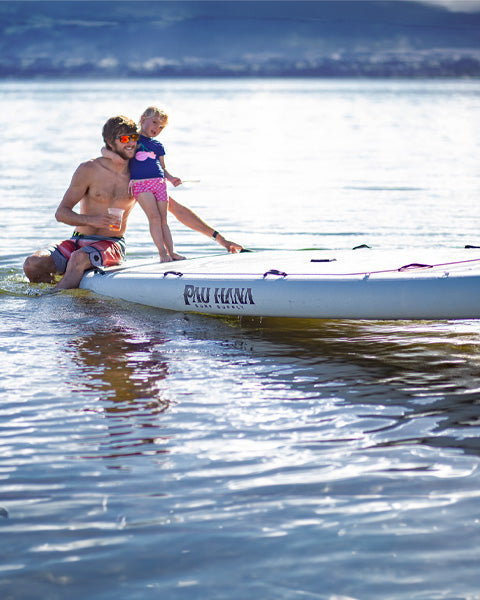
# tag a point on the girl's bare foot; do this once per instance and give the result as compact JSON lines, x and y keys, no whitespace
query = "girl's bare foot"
{"x":176,"y":256}
{"x":165,"y":258}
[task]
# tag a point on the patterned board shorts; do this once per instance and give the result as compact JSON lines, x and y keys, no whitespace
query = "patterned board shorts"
{"x":157,"y":186}
{"x":104,"y":252}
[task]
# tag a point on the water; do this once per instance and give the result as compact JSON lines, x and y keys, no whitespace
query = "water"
{"x":148,"y":454}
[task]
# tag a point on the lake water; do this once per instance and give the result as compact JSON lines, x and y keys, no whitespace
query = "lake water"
{"x":150,"y":454}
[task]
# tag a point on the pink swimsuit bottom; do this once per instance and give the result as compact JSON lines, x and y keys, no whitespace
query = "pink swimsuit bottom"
{"x":157,"y":186}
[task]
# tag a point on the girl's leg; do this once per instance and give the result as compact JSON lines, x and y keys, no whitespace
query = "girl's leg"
{"x":167,"y":235}
{"x":150,"y":207}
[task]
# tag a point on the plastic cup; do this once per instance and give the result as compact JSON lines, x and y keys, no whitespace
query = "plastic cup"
{"x":118,"y":214}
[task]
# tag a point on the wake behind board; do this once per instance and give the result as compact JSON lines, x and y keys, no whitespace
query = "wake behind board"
{"x":318,"y":284}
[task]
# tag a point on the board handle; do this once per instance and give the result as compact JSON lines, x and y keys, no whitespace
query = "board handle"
{"x":176,"y":273}
{"x":414,"y":266}
{"x":274,"y":272}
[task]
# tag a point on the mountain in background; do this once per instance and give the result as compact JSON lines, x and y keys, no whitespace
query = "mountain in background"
{"x":237,"y":38}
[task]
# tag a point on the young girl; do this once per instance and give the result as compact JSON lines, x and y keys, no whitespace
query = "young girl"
{"x":148,"y":184}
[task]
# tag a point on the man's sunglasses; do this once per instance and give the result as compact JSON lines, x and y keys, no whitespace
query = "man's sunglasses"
{"x":126,"y":138}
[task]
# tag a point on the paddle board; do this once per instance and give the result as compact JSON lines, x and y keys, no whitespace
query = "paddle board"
{"x":320,"y":284}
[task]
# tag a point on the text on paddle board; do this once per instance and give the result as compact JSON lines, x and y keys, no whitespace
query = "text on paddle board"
{"x":193,"y":294}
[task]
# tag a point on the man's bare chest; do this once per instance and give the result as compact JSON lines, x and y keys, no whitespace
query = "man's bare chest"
{"x":108,"y":190}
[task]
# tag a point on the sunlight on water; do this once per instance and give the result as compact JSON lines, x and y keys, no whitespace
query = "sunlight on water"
{"x":148,"y":453}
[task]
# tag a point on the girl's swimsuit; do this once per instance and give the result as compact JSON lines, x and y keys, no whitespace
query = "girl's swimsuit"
{"x":146,"y":170}
{"x":103,"y":251}
{"x":158,"y":187}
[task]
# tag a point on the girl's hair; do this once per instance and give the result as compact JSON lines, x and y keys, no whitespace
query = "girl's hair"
{"x":152,"y":111}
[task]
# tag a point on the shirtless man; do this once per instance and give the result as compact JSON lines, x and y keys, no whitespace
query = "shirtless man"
{"x":98,"y":184}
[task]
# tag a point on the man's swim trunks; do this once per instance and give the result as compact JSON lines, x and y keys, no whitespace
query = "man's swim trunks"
{"x":103,"y":251}
{"x":157,"y":186}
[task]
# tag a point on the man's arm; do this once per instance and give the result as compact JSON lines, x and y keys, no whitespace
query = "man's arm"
{"x":75,"y":192}
{"x":190,"y":219}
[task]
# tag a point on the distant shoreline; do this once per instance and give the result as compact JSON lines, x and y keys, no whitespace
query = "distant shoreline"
{"x":432,"y":64}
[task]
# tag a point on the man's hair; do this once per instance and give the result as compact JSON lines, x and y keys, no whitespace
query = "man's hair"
{"x":117,"y":126}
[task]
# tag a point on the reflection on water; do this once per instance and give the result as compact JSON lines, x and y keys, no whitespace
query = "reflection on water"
{"x":430,"y":371}
{"x":243,"y":443}
{"x":124,"y":370}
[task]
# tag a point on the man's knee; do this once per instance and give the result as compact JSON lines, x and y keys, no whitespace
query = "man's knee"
{"x":79,"y":259}
{"x":29,"y":267}
{"x":39,"y":269}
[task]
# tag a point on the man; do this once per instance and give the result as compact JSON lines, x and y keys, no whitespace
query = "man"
{"x":97,"y":185}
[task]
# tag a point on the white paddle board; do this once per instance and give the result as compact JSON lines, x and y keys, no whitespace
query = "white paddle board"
{"x":319,"y":284}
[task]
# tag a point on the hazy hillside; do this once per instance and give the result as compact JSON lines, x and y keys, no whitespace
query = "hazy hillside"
{"x":350,"y":38}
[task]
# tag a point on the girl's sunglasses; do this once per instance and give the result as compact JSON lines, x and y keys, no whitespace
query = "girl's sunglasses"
{"x":126,"y":138}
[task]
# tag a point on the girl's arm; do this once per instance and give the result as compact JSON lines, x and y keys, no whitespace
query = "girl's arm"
{"x":171,"y":178}
{"x":106,"y":153}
